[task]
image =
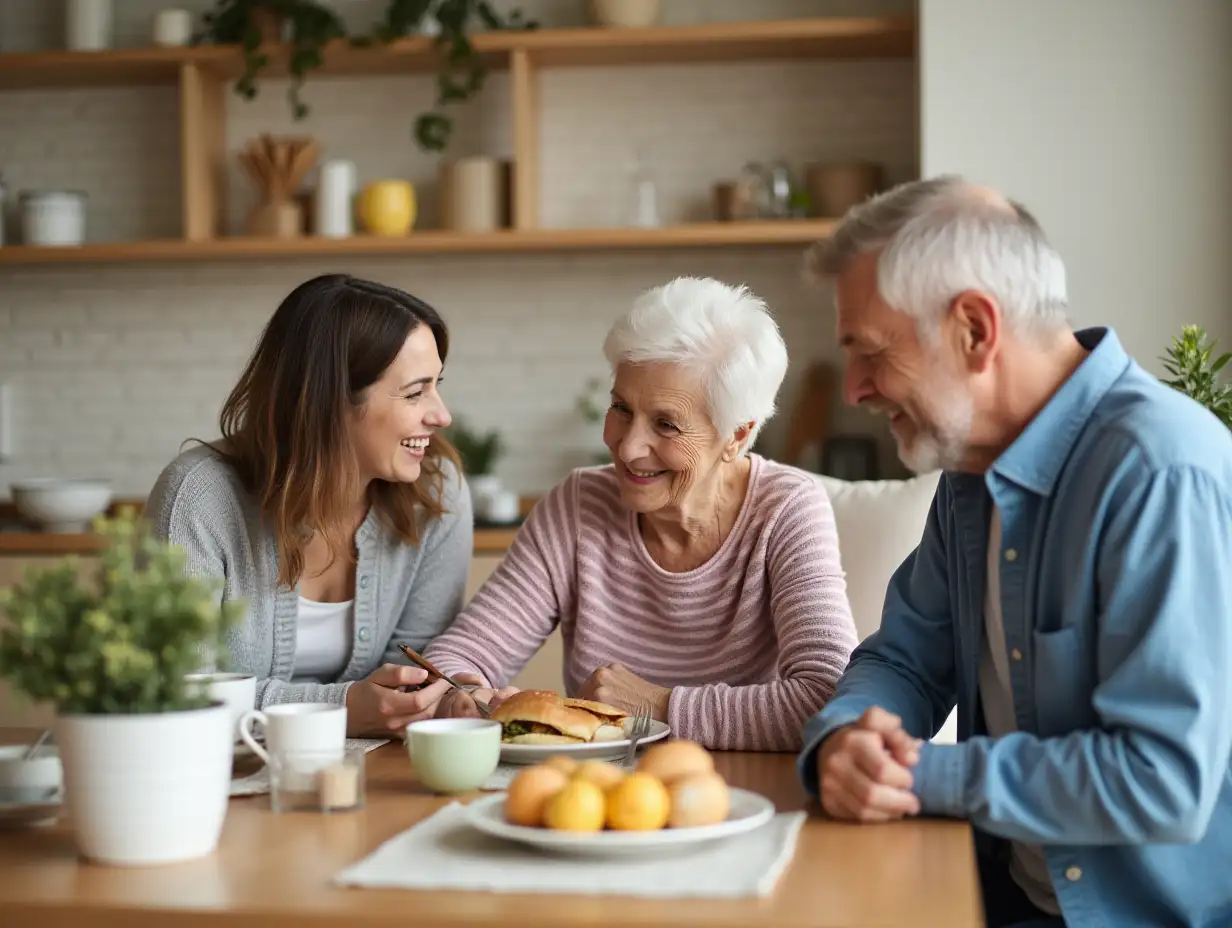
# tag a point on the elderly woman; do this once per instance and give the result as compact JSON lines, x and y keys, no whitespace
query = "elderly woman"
{"x":690,"y":575}
{"x":331,"y":504}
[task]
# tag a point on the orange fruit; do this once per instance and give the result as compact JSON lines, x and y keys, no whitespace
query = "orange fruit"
{"x":699,"y":799}
{"x":672,"y":760}
{"x":600,"y":773}
{"x":639,"y":802}
{"x":577,"y":807}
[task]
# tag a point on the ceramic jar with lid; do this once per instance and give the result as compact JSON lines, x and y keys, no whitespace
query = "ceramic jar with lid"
{"x":53,"y":217}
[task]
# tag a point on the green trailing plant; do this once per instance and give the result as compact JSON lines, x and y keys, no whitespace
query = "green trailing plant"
{"x":479,"y":451}
{"x":1194,"y":370}
{"x":309,"y":27}
{"x":591,"y":404}
{"x":463,"y":71}
{"x":122,"y":643}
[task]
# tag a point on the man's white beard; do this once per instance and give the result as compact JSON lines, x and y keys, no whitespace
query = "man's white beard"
{"x":944,"y":445}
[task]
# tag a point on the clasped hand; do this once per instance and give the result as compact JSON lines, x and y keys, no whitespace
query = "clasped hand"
{"x":864,"y":770}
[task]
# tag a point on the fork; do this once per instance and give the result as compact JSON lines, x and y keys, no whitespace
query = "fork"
{"x":637,"y":731}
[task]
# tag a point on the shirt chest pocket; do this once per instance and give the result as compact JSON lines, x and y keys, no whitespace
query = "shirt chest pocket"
{"x":1063,"y":678}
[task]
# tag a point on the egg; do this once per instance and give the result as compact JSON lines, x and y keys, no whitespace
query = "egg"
{"x":675,"y":759}
{"x":603,"y":774}
{"x":698,"y":799}
{"x":530,"y":792}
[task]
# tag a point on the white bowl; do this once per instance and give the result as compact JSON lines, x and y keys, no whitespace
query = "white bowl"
{"x":624,"y":14}
{"x":29,"y":781}
{"x":61,"y":505}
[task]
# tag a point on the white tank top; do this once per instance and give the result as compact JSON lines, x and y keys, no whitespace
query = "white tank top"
{"x":323,"y":640}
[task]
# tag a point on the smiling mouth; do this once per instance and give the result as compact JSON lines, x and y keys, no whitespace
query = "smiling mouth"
{"x":416,"y":446}
{"x":643,"y":476}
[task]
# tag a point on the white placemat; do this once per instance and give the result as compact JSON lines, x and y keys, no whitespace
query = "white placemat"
{"x":444,"y":852}
{"x":257,"y":784}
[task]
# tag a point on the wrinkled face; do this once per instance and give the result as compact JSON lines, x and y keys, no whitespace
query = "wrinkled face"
{"x":919,"y":386}
{"x":658,"y":428}
{"x":391,"y":430}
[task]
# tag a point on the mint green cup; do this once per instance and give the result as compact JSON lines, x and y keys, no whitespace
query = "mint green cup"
{"x":453,"y":755}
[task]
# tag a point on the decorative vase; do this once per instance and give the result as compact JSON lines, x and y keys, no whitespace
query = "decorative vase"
{"x":277,"y":218}
{"x":483,"y":489}
{"x":387,"y":207}
{"x":472,"y":194}
{"x":87,"y":25}
{"x":624,"y":14}
{"x":836,"y":187}
{"x":147,"y":789}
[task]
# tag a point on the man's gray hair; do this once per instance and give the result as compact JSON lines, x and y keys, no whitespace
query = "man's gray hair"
{"x":723,"y":333}
{"x":941,"y":236}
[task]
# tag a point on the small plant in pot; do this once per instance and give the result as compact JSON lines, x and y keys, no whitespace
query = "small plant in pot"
{"x":480,"y":452}
{"x":147,"y":763}
{"x":1194,"y":368}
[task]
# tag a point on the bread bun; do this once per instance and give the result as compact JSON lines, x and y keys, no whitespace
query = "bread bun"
{"x":698,"y":799}
{"x":530,"y":792}
{"x":673,"y":760}
{"x":540,"y":712}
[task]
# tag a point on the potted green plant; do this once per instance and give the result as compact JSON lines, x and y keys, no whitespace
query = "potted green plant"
{"x":306,"y":25}
{"x":1194,"y":370}
{"x":480,"y":452}
{"x":147,"y":762}
{"x":462,"y":72}
{"x":591,"y":404}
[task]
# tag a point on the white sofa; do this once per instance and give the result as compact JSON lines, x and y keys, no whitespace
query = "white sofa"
{"x":879,"y":523}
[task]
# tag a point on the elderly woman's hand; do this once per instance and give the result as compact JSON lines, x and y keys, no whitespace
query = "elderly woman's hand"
{"x":456,"y":704}
{"x":618,"y":686}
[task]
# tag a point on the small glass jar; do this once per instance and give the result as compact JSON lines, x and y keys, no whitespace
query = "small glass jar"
{"x":53,"y":217}
{"x":314,"y":781}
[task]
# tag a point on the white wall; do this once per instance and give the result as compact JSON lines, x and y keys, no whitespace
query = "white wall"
{"x":1109,"y":119}
{"x":114,"y":366}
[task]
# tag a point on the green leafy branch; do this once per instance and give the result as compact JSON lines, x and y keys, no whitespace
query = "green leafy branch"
{"x":1194,"y":371}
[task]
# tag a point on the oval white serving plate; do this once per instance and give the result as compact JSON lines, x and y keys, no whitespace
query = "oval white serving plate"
{"x":748,"y":811}
{"x":590,"y":750}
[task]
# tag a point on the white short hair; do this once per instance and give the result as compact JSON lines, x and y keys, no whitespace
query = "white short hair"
{"x":724,"y":333}
{"x":941,"y":236}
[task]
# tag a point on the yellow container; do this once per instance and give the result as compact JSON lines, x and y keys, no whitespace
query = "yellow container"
{"x":387,"y":207}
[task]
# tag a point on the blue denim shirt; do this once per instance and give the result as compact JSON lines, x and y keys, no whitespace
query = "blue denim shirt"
{"x":1116,"y":589}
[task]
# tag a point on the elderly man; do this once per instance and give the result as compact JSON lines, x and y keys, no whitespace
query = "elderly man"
{"x":1072,"y":591}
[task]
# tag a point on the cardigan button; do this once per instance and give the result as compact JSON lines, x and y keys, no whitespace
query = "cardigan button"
{"x":364,"y":634}
{"x":363,"y":582}
{"x":1073,"y":874}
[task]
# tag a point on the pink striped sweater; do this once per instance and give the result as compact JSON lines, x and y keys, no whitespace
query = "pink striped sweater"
{"x":752,"y":642}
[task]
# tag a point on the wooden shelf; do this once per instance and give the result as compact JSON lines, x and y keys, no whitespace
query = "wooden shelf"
{"x":717,"y":234}
{"x":870,"y":37}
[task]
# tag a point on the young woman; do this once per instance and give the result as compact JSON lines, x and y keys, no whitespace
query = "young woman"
{"x":331,"y":504}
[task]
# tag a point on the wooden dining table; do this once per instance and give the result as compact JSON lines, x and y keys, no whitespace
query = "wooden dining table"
{"x":275,"y":870}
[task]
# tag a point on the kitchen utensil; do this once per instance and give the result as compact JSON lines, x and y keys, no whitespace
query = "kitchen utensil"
{"x":638,"y":730}
{"x":427,"y":665}
{"x":315,"y":728}
{"x":277,"y":167}
{"x":614,"y":751}
{"x":38,"y":743}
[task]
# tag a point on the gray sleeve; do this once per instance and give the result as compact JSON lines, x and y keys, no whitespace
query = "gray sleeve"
{"x":181,"y":510}
{"x":439,"y":589}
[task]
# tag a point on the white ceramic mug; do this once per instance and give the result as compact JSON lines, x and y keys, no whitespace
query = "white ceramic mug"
{"x":316,"y":728}
{"x":237,"y":690}
{"x":172,"y":27}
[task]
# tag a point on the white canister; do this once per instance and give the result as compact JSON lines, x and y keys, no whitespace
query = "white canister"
{"x":53,"y":217}
{"x":87,"y":24}
{"x":334,"y":213}
{"x":172,"y":27}
{"x":472,"y":194}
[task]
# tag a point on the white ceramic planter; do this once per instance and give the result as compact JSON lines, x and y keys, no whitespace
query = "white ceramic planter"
{"x":482,"y":488}
{"x":87,"y":24}
{"x":146,"y":789}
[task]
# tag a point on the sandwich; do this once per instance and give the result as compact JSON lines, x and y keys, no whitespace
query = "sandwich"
{"x":543,"y":717}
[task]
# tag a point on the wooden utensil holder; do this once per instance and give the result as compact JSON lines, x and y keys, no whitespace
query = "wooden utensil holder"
{"x":277,"y":218}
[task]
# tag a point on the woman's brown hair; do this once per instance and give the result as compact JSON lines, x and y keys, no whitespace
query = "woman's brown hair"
{"x":284,"y":424}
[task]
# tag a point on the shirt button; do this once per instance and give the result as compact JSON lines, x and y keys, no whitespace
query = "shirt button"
{"x":1016,"y":654}
{"x":363,"y":582}
{"x":364,"y":634}
{"x":1011,"y":555}
{"x":1073,"y":874}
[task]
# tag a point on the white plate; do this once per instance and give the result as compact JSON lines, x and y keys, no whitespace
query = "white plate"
{"x":748,"y":811}
{"x":589,"y":750}
{"x":16,"y":814}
